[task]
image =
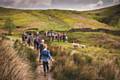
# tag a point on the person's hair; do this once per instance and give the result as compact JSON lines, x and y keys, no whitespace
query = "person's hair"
{"x":43,"y":40}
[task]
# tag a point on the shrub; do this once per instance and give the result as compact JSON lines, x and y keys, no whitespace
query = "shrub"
{"x":109,"y":71}
{"x":26,"y":53}
{"x":9,"y":25}
{"x":88,"y":66}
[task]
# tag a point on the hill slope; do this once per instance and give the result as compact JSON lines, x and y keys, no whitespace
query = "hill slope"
{"x":60,"y":19}
{"x":109,"y":16}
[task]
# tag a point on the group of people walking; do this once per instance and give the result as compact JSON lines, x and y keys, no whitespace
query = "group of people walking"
{"x":39,"y":44}
{"x":35,"y":39}
{"x":32,"y":39}
{"x":55,"y":36}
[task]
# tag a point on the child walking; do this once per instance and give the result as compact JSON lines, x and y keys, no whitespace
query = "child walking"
{"x":45,"y":58}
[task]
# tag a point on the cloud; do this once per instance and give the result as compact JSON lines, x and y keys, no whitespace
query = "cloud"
{"x":100,"y":3}
{"x":116,"y":1}
{"x":25,"y":3}
{"x":58,"y":4}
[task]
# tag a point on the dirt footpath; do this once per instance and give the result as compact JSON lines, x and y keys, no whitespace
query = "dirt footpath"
{"x":40,"y":74}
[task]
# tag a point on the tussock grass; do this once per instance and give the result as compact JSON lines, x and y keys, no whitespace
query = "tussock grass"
{"x":12,"y":67}
{"x":86,"y":64}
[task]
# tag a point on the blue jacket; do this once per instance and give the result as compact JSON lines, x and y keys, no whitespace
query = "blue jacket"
{"x":45,"y":55}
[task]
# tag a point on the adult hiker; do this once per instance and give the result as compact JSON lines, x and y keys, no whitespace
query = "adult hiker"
{"x":41,"y":47}
{"x":29,"y":39}
{"x":58,"y":36}
{"x":37,"y":42}
{"x":45,"y":58}
{"x":24,"y":37}
{"x":65,"y":37}
{"x":49,"y":35}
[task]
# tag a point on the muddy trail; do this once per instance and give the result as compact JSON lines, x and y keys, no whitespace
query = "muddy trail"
{"x":40,"y":74}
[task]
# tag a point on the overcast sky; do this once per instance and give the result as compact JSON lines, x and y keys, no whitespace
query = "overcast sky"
{"x":57,"y":4}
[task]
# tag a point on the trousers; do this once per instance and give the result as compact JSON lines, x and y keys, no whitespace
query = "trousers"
{"x":45,"y":66}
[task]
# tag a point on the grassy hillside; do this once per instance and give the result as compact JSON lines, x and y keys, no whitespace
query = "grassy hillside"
{"x":110,"y":15}
{"x":99,"y":60}
{"x":55,"y":19}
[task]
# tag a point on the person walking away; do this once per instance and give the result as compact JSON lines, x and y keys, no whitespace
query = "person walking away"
{"x":38,"y":41}
{"x":23,"y":37}
{"x":46,"y":33}
{"x":41,"y":47}
{"x":61,"y":37}
{"x":30,"y":39}
{"x":35,"y":43}
{"x":45,"y":58}
{"x":53,"y":36}
{"x":49,"y":35}
{"x":58,"y":37}
{"x":65,"y":37}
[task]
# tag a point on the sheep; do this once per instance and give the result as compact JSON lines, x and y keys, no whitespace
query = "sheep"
{"x":77,"y":45}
